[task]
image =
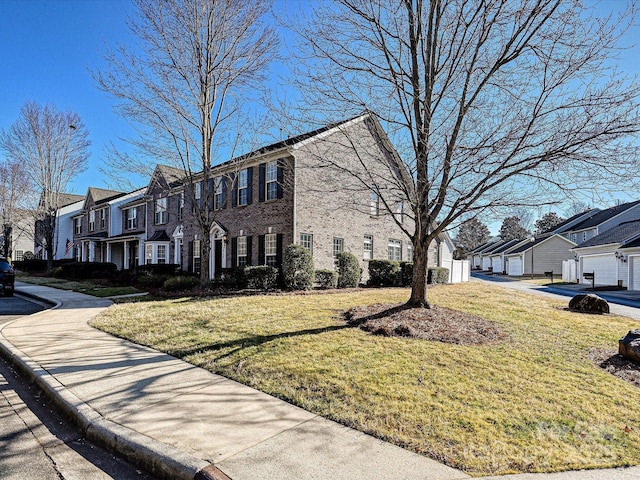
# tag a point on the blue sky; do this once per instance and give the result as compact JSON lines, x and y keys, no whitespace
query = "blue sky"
{"x":48,"y":46}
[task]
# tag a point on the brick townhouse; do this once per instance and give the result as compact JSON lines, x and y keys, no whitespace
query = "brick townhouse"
{"x":300,"y":190}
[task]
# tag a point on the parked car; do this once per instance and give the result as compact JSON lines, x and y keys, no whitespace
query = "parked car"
{"x":7,"y":277}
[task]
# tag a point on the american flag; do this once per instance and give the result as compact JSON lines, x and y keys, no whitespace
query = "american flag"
{"x":68,"y":246}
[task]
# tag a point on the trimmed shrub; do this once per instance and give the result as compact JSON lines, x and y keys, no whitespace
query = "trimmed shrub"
{"x":349,"y":271}
{"x":406,"y":273}
{"x":262,"y":277}
{"x":174,"y":284}
{"x":85,"y":270}
{"x":32,"y":265}
{"x":384,"y":273}
{"x":297,"y":268}
{"x":57,"y":272}
{"x":158,"y":268}
{"x":437,"y":275}
{"x":231,"y":277}
{"x":28,"y":256}
{"x":327,"y":278}
{"x":151,"y":281}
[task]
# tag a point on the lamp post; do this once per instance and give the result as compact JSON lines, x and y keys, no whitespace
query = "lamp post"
{"x":533,"y":240}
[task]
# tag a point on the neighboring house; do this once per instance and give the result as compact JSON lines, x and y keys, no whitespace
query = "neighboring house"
{"x":612,"y":256}
{"x":544,"y":253}
{"x":496,"y":256}
{"x":476,"y":255}
{"x":91,"y":225}
{"x":69,"y":204}
{"x":20,"y":234}
{"x":599,"y":221}
{"x":293,"y":191}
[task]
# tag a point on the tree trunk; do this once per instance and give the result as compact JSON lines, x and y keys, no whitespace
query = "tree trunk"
{"x":205,"y":260}
{"x":419,"y":287}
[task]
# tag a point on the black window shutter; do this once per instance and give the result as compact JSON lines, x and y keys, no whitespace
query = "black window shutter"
{"x":279,"y":187}
{"x":234,"y":252}
{"x":234,"y":191}
{"x":210,"y":193}
{"x":190,"y":258}
{"x":249,"y":251}
{"x":261,"y":259}
{"x":262,"y":171}
{"x":279,"y":249}
{"x":249,"y":185}
{"x":224,"y":193}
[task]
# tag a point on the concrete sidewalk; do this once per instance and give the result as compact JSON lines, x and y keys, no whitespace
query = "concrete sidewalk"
{"x":178,"y":421}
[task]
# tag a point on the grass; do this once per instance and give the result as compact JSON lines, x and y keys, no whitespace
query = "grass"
{"x":533,"y":403}
{"x":89,"y":288}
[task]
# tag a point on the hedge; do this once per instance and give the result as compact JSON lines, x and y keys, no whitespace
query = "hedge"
{"x":262,"y":277}
{"x":231,"y":277}
{"x":85,"y":270}
{"x":384,"y":273}
{"x":297,"y":268}
{"x":183,"y":282}
{"x":158,"y":268}
{"x":349,"y":271}
{"x":327,"y":278}
{"x":437,"y":275}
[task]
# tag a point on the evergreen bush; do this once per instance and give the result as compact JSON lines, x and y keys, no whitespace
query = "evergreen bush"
{"x":261,"y":277}
{"x":297,"y":268}
{"x":436,"y":275}
{"x":183,"y":282}
{"x":327,"y":278}
{"x":384,"y":273}
{"x":349,"y":271}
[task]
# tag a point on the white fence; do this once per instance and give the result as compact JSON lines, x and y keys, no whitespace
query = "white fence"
{"x":458,"y":270}
{"x":569,"y":271}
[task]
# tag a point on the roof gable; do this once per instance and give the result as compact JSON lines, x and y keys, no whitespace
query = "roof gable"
{"x":97,"y":196}
{"x":603,"y":215}
{"x":622,"y":233}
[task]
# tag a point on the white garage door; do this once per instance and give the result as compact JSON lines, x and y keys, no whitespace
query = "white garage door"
{"x":515,"y":266}
{"x":496,"y":263}
{"x":604,"y":267}
{"x":634,"y":273}
{"x":486,"y":263}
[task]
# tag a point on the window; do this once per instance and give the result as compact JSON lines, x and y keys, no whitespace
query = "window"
{"x":395,"y":250}
{"x":77,"y":224}
{"x":243,"y":187}
{"x":410,"y":252}
{"x":272,"y":180}
{"x":180,"y":205}
{"x":19,"y":255}
{"x":197,"y":197}
{"x":373,"y":201}
{"x":368,"y":247}
{"x":92,"y":220}
{"x":338,"y":248}
{"x":584,"y":236}
{"x":574,"y":237}
{"x":242,"y":251}
{"x":148,"y":253}
{"x":132,"y":218}
{"x":196,"y":256}
{"x":306,"y":240}
{"x":103,"y":218}
{"x":161,"y":211}
{"x":399,"y":211}
{"x":219,"y":198}
{"x":270,"y":249}
{"x":162,"y":254}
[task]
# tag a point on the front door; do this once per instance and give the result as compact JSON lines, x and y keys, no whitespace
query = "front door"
{"x":217,"y":259}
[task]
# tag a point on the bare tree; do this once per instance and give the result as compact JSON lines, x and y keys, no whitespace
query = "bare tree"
{"x":576,"y":207}
{"x":198,"y":62}
{"x":52,"y":147}
{"x":15,"y":190}
{"x":490,"y":104}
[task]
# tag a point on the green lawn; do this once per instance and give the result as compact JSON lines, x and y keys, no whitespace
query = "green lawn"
{"x":532,"y":403}
{"x":89,"y":288}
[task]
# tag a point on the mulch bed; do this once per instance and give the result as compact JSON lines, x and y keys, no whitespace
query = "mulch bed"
{"x":435,"y":323}
{"x":616,"y":364}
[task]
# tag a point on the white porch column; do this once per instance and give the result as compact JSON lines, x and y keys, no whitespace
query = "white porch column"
{"x":92,"y":251}
{"x":125,"y":260}
{"x":108,"y":259}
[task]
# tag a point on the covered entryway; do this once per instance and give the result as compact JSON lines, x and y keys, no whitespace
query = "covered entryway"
{"x":603,"y":266}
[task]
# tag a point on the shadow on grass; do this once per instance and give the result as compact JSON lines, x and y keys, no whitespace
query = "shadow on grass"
{"x":248,"y":342}
{"x":387,"y":312}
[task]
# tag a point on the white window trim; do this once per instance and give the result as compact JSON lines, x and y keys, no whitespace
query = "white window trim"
{"x":366,"y":250}
{"x":92,"y":220}
{"x":243,"y":186}
{"x":271,"y":180}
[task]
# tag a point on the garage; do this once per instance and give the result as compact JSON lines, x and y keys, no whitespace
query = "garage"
{"x":486,"y":263}
{"x":515,"y":266}
{"x":604,"y":266}
{"x":634,"y":272}
{"x":496,"y":264}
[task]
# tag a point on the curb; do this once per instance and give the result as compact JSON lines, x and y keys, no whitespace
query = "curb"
{"x":156,"y":457}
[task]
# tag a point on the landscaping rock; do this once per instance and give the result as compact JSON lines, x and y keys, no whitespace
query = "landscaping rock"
{"x":629,"y":346}
{"x":589,"y":303}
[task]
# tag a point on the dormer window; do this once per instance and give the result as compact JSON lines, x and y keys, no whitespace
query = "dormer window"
{"x":161,"y":211}
{"x":92,"y":220}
